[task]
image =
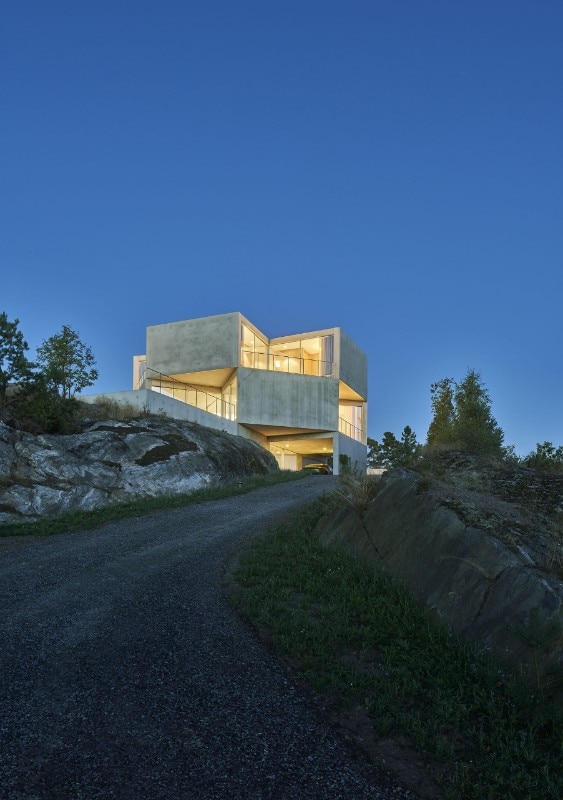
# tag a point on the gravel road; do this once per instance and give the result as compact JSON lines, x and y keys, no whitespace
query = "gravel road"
{"x":124,"y":673}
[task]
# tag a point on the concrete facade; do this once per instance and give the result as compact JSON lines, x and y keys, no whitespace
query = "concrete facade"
{"x":194,"y":345}
{"x":302,"y":396}
{"x":352,"y":364}
{"x":287,"y":400}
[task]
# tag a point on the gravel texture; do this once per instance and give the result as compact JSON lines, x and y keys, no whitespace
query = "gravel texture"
{"x":125,"y":674}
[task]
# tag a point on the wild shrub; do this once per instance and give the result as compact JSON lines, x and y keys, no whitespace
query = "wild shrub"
{"x":357,"y":490}
{"x":105,"y":408}
{"x":45,"y":409}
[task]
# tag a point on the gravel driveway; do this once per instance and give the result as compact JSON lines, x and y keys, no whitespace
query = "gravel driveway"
{"x":124,"y":674}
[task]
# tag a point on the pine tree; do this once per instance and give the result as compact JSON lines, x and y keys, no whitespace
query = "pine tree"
{"x":411,"y":450}
{"x":14,"y":366}
{"x":441,"y":430}
{"x":393,"y":452}
{"x":474,"y":427}
{"x":462,"y":416}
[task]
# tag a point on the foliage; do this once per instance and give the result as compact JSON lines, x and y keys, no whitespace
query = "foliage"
{"x":359,"y":638}
{"x":546,"y":458}
{"x":462,"y":416}
{"x":373,"y":452}
{"x":536,"y":634}
{"x":44,"y":408}
{"x":357,"y":490}
{"x":474,"y":425}
{"x":393,"y":452}
{"x":440,"y":432}
{"x":509,"y":454}
{"x":14,"y":366}
{"x":105,"y":408}
{"x":67,"y":363}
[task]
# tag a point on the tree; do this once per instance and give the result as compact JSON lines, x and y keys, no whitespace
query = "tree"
{"x":475,"y":428}
{"x":373,"y":452}
{"x":411,"y":450}
{"x":67,"y":363}
{"x":40,"y":409}
{"x":546,"y":458}
{"x":393,"y":452}
{"x":14,"y":366}
{"x":462,"y":416}
{"x":440,"y":432}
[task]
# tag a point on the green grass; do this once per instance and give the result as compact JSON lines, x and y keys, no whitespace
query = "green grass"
{"x":357,"y":635}
{"x":85,"y":520}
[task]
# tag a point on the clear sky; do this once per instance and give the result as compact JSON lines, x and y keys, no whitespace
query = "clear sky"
{"x":393,"y":167}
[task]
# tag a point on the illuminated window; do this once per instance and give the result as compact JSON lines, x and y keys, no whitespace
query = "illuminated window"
{"x":253,"y":349}
{"x":351,"y":421}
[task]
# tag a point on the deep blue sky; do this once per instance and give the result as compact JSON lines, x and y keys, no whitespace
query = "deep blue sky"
{"x":394,"y":168}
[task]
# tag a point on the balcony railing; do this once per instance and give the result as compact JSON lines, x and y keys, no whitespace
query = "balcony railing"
{"x":281,"y":363}
{"x":350,"y":430}
{"x":171,"y":387}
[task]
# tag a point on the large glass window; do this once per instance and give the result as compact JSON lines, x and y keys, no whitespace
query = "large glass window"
{"x":253,"y":349}
{"x":230,"y":400}
{"x":312,"y":356}
{"x":350,"y":421}
{"x":308,"y":356}
{"x":285,"y":357}
{"x":286,"y":458}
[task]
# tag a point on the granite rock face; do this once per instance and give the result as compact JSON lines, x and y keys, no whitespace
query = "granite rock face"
{"x":469,"y":579}
{"x":114,"y":461}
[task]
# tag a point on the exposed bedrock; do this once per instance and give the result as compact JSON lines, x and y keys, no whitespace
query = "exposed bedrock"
{"x":114,"y":461}
{"x":471,"y":581}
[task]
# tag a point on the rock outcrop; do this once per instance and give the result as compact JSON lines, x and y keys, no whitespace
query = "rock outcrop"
{"x":113,"y":461}
{"x":497,"y":591}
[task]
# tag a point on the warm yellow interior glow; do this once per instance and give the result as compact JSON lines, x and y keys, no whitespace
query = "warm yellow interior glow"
{"x":345,"y":392}
{"x":350,"y":420}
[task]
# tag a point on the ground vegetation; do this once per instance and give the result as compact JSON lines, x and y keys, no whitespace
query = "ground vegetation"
{"x":445,"y":718}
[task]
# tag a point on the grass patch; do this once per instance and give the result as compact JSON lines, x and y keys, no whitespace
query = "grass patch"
{"x":358,"y":637}
{"x":85,"y":520}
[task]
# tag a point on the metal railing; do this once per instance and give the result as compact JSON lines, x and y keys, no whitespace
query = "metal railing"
{"x":350,"y":430}
{"x":275,"y":362}
{"x":171,"y":387}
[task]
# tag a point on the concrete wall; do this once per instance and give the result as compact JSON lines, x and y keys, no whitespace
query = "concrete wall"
{"x":352,"y":364}
{"x":254,"y":436}
{"x":194,"y":345}
{"x":295,"y":401}
{"x":156,"y":403}
{"x":356,"y":451}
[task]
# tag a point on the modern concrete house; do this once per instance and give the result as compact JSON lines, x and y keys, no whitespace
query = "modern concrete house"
{"x":303,"y":396}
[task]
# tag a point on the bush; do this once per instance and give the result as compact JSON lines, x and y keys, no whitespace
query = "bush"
{"x":357,"y":490}
{"x":39,"y":410}
{"x":104,"y":408}
{"x":546,"y":458}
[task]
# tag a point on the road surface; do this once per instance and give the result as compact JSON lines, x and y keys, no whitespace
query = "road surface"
{"x":125,"y":674}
